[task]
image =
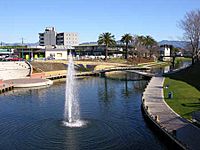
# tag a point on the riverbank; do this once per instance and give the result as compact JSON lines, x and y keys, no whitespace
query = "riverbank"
{"x":82,"y":66}
{"x":185,"y":86}
{"x":179,"y":130}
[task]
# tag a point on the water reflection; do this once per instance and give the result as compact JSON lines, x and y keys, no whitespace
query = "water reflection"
{"x":125,"y":90}
{"x":111,"y":108}
{"x":71,"y":141}
{"x":123,"y":76}
{"x":168,"y":68}
{"x":106,"y":91}
{"x":39,"y":91}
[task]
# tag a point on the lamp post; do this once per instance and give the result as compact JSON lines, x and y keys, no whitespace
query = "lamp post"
{"x":22,"y":48}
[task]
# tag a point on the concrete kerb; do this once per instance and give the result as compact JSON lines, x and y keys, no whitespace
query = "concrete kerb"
{"x":166,"y":103}
{"x":164,"y":130}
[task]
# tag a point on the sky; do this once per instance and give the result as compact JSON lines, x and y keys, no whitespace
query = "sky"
{"x":158,"y":18}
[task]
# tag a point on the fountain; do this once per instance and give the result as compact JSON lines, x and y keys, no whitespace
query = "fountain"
{"x":71,"y":112}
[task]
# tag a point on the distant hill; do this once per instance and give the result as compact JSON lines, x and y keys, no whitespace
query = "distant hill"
{"x":178,"y":44}
{"x":19,"y":44}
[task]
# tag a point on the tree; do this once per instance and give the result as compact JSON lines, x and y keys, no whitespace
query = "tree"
{"x":150,"y":44}
{"x":106,"y":39}
{"x":126,"y":38}
{"x":139,"y":44}
{"x":191,"y":26}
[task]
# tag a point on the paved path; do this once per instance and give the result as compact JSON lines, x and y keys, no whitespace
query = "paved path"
{"x":29,"y":82}
{"x":146,"y":74}
{"x":181,"y":129}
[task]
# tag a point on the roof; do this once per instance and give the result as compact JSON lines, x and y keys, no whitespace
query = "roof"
{"x":56,"y":49}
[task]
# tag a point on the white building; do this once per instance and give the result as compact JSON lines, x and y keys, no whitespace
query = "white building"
{"x":58,"y":54}
{"x":68,"y":39}
{"x":165,"y":51}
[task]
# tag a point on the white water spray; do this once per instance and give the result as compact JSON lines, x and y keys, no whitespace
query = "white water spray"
{"x":72,"y":112}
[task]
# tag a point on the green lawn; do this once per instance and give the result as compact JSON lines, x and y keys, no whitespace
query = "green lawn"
{"x":186,"y":98}
{"x":185,"y":86}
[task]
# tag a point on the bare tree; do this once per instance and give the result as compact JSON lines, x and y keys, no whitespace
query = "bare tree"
{"x":139,"y":47}
{"x":191,"y":26}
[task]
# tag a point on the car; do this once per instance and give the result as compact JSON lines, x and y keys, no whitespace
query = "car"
{"x":14,"y":59}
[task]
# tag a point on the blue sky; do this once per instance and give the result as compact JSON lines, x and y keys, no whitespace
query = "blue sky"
{"x":158,"y":18}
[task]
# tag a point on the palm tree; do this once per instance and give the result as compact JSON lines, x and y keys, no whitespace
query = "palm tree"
{"x":126,"y":38}
{"x":149,"y":42}
{"x":106,"y":39}
{"x":141,"y":40}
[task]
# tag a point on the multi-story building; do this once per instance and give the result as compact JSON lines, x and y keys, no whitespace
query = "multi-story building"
{"x":51,"y":38}
{"x":67,"y":38}
{"x":48,"y":37}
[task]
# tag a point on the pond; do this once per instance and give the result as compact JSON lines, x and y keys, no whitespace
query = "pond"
{"x":33,"y":118}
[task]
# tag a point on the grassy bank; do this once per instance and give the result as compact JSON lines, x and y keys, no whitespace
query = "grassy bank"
{"x":186,"y":98}
{"x":185,"y":86}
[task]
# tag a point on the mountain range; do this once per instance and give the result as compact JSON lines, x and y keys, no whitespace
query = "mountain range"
{"x":178,"y":44}
{"x":19,"y":44}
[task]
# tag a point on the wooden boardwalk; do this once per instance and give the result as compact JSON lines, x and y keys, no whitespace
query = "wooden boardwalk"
{"x":122,"y":68}
{"x":176,"y":127}
{"x":146,"y":74}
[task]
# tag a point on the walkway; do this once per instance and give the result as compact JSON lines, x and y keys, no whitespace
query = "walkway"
{"x":29,"y":82}
{"x":122,"y":68}
{"x":146,"y":74}
{"x":176,"y":127}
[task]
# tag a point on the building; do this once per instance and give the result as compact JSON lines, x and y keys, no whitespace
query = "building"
{"x":57,"y":54}
{"x":165,"y":52}
{"x":6,"y":52}
{"x":93,"y":49}
{"x":68,"y":39}
{"x":30,"y":53}
{"x":51,"y":38}
{"x":48,"y":37}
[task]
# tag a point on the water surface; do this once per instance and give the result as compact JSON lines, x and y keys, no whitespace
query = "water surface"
{"x":32,"y":119}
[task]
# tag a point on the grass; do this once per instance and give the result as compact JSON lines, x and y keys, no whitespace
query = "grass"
{"x":154,"y":64}
{"x":185,"y":86}
{"x":186,"y":98}
{"x":182,"y":59}
{"x":117,"y":60}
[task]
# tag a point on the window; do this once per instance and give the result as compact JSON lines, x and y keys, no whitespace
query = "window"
{"x":59,"y":54}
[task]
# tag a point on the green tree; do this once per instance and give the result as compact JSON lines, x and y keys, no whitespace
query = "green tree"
{"x":146,"y":44}
{"x":150,"y":44}
{"x":127,"y":39}
{"x":141,"y":40}
{"x":106,"y":39}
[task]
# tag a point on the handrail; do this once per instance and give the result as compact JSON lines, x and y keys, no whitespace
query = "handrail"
{"x":31,"y":67}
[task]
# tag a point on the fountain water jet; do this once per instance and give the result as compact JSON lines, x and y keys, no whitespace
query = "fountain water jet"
{"x":71,"y":112}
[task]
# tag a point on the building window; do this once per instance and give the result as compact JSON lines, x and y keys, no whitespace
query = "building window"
{"x":59,"y":54}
